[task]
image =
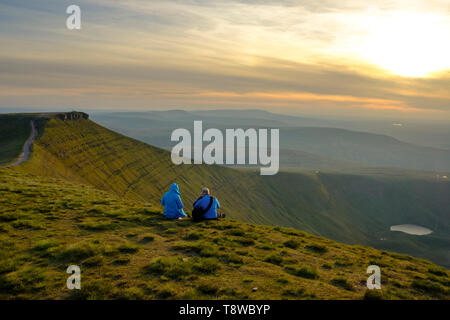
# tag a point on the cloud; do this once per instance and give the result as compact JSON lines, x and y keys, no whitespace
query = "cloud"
{"x":157,"y":53}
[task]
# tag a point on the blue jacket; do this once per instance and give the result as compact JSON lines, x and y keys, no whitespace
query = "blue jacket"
{"x":203,"y":202}
{"x":173,"y":206}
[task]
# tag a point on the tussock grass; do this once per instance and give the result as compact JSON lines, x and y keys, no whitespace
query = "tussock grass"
{"x":128,"y":248}
{"x":373,"y":295}
{"x":139,"y":259}
{"x":44,"y":245}
{"x":80,"y":250}
{"x":342,"y":282}
{"x":304,"y":272}
{"x":429,"y":287}
{"x":274,"y":259}
{"x":98,"y":226}
{"x":193,"y":236}
{"x":94,"y":261}
{"x":146,"y":238}
{"x":208,"y":288}
{"x":292,"y":243}
{"x":316,"y":248}
{"x":438,"y":272}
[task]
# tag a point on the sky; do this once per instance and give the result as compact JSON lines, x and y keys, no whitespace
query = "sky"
{"x":341,"y":58}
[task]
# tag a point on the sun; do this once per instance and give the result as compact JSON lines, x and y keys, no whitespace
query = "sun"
{"x":408,"y":44}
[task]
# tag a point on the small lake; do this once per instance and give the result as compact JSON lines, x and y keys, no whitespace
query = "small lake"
{"x":412,"y":229}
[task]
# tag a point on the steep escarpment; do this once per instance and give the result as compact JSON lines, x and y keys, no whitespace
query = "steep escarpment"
{"x":356,"y":209}
{"x":85,"y":152}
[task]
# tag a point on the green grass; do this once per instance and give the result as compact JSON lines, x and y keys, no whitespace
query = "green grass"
{"x":14,"y":131}
{"x":342,"y":282}
{"x":274,"y":259}
{"x":373,"y":295}
{"x":147,"y":238}
{"x":210,"y":259}
{"x":317,"y":248}
{"x":106,"y":218}
{"x":304,"y":272}
{"x":343,"y":207}
{"x":430,"y":287}
{"x":293,"y":244}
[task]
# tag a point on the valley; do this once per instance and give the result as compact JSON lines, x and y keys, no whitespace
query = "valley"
{"x":351,"y":208}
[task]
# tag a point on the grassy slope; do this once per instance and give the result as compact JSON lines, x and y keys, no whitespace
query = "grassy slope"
{"x":127,"y":250}
{"x":84,"y":152}
{"x":349,"y":208}
{"x":14,"y":131}
{"x":364,"y":207}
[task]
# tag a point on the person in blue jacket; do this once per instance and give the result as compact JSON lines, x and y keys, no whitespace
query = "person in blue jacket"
{"x":203,"y":201}
{"x":173,"y":206}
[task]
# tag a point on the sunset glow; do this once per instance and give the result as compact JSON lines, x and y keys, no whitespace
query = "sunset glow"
{"x":409,"y":44}
{"x":304,"y":57}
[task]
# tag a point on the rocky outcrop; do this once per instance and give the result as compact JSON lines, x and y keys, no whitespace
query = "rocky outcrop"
{"x":74,"y":115}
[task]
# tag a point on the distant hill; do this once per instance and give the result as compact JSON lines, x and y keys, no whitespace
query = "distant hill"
{"x":364,"y":148}
{"x":356,"y":209}
{"x":127,"y":250}
{"x":336,"y":147}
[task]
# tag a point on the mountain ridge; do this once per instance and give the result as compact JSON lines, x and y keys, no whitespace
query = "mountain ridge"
{"x":337,"y":206}
{"x":361,"y":147}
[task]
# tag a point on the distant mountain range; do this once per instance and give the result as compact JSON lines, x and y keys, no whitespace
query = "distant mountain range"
{"x":303,"y":145}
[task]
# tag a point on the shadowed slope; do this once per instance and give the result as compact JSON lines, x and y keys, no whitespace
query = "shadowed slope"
{"x":14,"y":131}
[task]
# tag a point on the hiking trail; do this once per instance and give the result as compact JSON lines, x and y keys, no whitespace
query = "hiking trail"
{"x":25,"y":155}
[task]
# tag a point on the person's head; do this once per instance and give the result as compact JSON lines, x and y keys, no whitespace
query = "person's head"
{"x":205,"y":191}
{"x":174,"y":187}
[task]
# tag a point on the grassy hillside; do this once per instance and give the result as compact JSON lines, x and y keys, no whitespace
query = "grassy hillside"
{"x":361,"y":209}
{"x":84,"y":152}
{"x":355,"y":209}
{"x":14,"y":131}
{"x":126,"y":250}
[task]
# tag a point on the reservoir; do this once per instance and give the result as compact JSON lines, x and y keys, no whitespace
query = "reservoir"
{"x":412,"y":229}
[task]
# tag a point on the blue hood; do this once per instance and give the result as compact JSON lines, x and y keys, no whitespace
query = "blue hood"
{"x":174,"y":188}
{"x":173,"y":206}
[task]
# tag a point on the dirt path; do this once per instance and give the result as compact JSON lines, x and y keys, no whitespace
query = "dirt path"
{"x":27,"y":146}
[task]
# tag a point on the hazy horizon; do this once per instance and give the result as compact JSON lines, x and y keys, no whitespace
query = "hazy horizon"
{"x":393,"y":119}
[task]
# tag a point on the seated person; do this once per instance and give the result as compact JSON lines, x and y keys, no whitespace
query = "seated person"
{"x":203,"y":201}
{"x":173,"y":206}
